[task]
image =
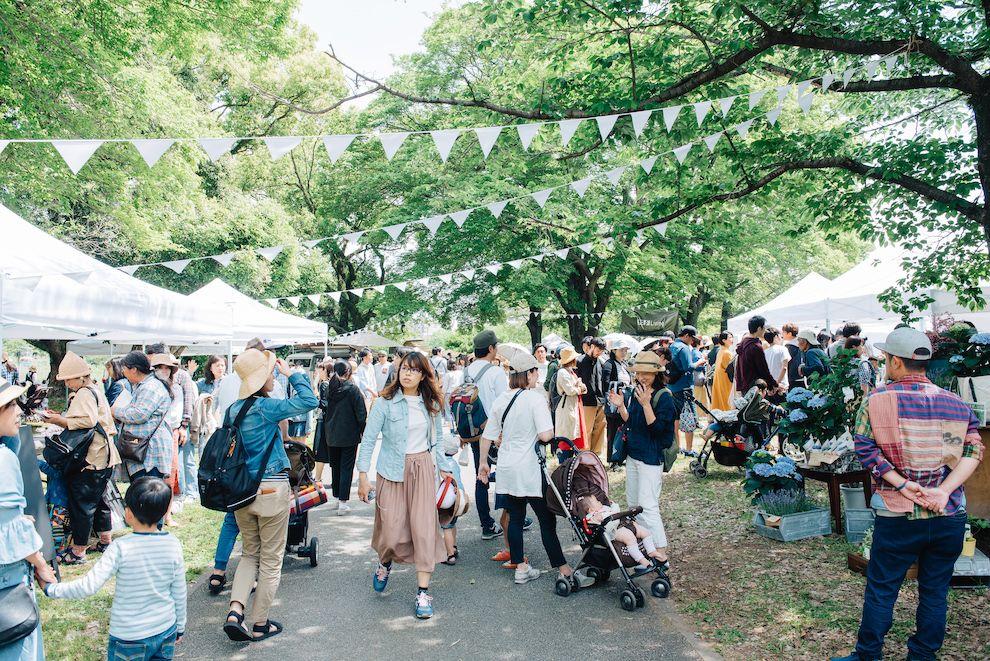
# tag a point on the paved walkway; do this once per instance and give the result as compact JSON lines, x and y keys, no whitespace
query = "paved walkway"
{"x":331,"y":612}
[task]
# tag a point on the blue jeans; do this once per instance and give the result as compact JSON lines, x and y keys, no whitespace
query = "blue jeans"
{"x":188,"y":463}
{"x":481,"y":490}
{"x":152,"y":648}
{"x":934,"y":544}
{"x":225,"y":543}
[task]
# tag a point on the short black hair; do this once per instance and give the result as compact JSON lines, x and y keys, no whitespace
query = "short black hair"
{"x":587,"y":339}
{"x":851,"y":329}
{"x":540,"y":344}
{"x":156,"y":348}
{"x":362,"y":353}
{"x":823,"y":337}
{"x":436,"y":351}
{"x":481,"y":353}
{"x":722,"y":337}
{"x":915,"y":365}
{"x":598,"y":342}
{"x":756,"y":322}
{"x":770,"y":334}
{"x":148,"y":499}
{"x":136,"y":360}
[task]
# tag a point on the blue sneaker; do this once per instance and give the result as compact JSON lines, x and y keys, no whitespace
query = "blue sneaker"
{"x":527,"y":523}
{"x":380,"y":578}
{"x":424,"y":606}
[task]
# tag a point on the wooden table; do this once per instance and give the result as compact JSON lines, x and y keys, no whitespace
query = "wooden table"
{"x":832,"y":481}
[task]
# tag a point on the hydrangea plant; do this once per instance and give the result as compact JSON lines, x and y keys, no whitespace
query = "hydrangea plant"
{"x":827,"y":408}
{"x":767,"y":473}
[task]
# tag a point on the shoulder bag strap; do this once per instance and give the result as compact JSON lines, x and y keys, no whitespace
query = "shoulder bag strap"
{"x":474,"y":379}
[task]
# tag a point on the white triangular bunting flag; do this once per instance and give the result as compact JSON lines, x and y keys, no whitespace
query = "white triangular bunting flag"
{"x":581,"y":185}
{"x":314,"y":298}
{"x":725,"y":104}
{"x":3,"y":145}
{"x":712,"y":140}
{"x":294,"y":300}
{"x":270,"y":253}
{"x":391,"y":142}
{"x":217,"y":147}
{"x":394,"y":230}
{"x":75,"y":153}
{"x":846,"y":76}
{"x":890,"y":62}
{"x":527,"y":132}
{"x":803,"y":87}
{"x":379,"y":288}
{"x":487,"y":137}
{"x":773,"y":115}
{"x":337,"y":144}
{"x":567,"y":129}
{"x":660,"y":229}
{"x":460,"y":216}
{"x":432,"y":223}
{"x":871,"y":68}
{"x":701,"y":111}
{"x":670,"y":116}
{"x":280,"y":146}
{"x":335,"y":295}
{"x":541,"y":196}
{"x":827,"y":80}
{"x":756,"y":97}
{"x":804,"y":102}
{"x":272,"y":302}
{"x":605,"y":124}
{"x":468,"y":273}
{"x":357,"y":291}
{"x":129,"y":270}
{"x":639,"y":120}
{"x":225,"y":259}
{"x":422,"y":282}
{"x":497,"y":207}
{"x":151,"y":150}
{"x":401,"y":286}
{"x":742,"y":128}
{"x":516,"y":263}
{"x":782,"y":92}
{"x":312,"y":243}
{"x":609,"y":242}
{"x":585,"y":248}
{"x":79,"y":276}
{"x":640,"y":237}
{"x":446,"y":278}
{"x":648,"y":163}
{"x":444,"y":141}
{"x":615,"y":174}
{"x":352,"y":237}
{"x":177,"y":265}
{"x":493,"y":268}
{"x":681,"y":152}
{"x":562,"y":253}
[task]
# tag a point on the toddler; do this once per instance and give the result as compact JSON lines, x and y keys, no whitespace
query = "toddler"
{"x":625,"y":531}
{"x":148,"y":616}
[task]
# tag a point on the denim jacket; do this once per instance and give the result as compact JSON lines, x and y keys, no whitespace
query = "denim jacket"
{"x":260,"y":425}
{"x":390,"y":418}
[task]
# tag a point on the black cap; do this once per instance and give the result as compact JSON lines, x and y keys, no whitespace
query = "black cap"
{"x":688,"y":330}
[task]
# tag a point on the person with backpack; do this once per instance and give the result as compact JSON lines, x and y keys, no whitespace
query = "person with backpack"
{"x":649,"y":412}
{"x":264,"y":523}
{"x":680,"y":376}
{"x":88,"y":409}
{"x":344,"y":416}
{"x":615,"y":377}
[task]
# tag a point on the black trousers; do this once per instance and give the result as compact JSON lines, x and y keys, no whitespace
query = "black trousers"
{"x":341,"y":461}
{"x":548,"y":529}
{"x":87,"y":510}
{"x":612,"y":424}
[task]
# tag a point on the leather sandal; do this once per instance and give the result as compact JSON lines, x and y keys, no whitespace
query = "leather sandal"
{"x":235,"y":630}
{"x":69,"y":557}
{"x":267,"y":630}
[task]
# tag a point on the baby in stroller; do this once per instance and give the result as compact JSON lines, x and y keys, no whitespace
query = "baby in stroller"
{"x":750,"y":425}
{"x":625,"y":531}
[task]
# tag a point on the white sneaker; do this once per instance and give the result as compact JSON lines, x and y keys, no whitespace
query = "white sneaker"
{"x":333,"y":504}
{"x":526,"y":575}
{"x":582,"y":579}
{"x":342,"y":508}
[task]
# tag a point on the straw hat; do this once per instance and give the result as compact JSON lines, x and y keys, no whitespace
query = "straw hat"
{"x":9,"y":393}
{"x":166,"y":359}
{"x":254,"y":367}
{"x":72,"y":367}
{"x":568,"y":355}
{"x":809,"y":336}
{"x":647,"y":361}
{"x":459,"y":503}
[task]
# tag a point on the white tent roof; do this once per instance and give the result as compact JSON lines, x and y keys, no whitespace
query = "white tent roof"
{"x":52,"y":291}
{"x":853,"y":297}
{"x":808,"y":288}
{"x":362,"y":338}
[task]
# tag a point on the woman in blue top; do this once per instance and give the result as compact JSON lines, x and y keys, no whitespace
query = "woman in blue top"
{"x":648,"y":412}
{"x":20,"y":545}
{"x":264,"y":523}
{"x":212,"y":373}
{"x":409,"y":417}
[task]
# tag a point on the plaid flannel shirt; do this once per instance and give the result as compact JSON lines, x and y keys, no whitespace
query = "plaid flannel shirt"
{"x":150,"y":404}
{"x":925,"y":428}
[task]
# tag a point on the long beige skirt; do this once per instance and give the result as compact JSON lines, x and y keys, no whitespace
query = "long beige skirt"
{"x":407,"y":528}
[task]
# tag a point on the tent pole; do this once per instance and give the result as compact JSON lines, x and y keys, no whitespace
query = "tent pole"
{"x":828,"y":322}
{"x":230,"y":356}
{"x":3,"y":282}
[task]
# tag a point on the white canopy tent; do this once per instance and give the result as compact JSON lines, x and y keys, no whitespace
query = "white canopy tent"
{"x":363,"y":338}
{"x":853,"y":296}
{"x":50,"y":290}
{"x":809,"y":288}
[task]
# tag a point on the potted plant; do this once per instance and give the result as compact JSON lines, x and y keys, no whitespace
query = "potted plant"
{"x":783,"y":511}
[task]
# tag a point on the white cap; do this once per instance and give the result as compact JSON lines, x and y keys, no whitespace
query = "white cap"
{"x":907,"y":342}
{"x":522,"y":363}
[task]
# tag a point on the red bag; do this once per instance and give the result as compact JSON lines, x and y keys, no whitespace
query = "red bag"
{"x":308,"y":498}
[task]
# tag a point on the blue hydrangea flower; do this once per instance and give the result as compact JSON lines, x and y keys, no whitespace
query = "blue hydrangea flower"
{"x":818,"y":402}
{"x":785,"y":460}
{"x":955,"y":360}
{"x":797,"y":415}
{"x":783,"y":470}
{"x":799,"y":395}
{"x":763,"y":470}
{"x":980,"y":338}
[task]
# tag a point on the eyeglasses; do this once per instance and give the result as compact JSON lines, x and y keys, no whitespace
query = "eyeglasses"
{"x":410,"y":370}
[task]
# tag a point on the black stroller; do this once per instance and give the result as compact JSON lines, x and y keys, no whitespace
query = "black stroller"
{"x":302,"y":462}
{"x":753,"y":427}
{"x":601,"y":554}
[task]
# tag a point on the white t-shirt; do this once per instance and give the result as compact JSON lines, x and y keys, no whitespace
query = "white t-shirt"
{"x":518,"y":468}
{"x":228,"y":388}
{"x":381,"y":375}
{"x":776,"y":356}
{"x":418,"y":439}
{"x":541,"y":369}
{"x":492,"y":384}
{"x":365,"y":379}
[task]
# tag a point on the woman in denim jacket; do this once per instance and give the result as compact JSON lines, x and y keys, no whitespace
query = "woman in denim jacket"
{"x":408,"y":415}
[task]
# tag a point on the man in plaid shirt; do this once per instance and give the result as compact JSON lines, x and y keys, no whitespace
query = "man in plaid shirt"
{"x":921,"y":444}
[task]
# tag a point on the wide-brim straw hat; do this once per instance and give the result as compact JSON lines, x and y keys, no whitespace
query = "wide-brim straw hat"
{"x":810,"y":337}
{"x":254,"y":367}
{"x":647,"y":361}
{"x":568,"y":356}
{"x":73,"y":367}
{"x":462,"y":503}
{"x":166,"y":359}
{"x":9,"y":392}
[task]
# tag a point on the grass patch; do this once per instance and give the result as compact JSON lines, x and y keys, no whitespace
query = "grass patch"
{"x":78,"y":629}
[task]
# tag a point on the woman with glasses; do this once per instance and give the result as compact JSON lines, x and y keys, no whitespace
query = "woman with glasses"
{"x":408,"y":416}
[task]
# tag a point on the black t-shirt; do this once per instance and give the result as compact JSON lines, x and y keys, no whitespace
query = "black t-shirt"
{"x":794,"y":379}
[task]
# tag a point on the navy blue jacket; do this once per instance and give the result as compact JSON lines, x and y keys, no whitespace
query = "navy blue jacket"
{"x":644,"y":442}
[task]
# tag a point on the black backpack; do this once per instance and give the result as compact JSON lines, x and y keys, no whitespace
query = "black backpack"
{"x":674,"y":371}
{"x":226,"y":483}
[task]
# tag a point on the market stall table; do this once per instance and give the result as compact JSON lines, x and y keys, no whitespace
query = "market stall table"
{"x":832,"y":480}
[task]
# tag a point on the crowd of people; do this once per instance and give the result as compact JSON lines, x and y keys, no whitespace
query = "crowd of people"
{"x":150,"y":416}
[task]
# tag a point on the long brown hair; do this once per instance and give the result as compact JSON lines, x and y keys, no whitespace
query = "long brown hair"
{"x":429,"y":389}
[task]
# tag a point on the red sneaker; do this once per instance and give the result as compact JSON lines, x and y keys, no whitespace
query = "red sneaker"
{"x":501,"y":556}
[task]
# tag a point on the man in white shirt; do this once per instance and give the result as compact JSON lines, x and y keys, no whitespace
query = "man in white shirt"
{"x":364,"y":376}
{"x":439,"y":363}
{"x":777,"y":357}
{"x":381,"y":371}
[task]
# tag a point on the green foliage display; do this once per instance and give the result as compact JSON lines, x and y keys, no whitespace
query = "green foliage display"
{"x":827,"y":408}
{"x":767,"y":473}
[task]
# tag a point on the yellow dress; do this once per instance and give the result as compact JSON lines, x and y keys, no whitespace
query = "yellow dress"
{"x":721,"y":386}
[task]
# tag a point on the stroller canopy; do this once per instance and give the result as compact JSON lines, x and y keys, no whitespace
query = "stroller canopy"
{"x":580,"y":475}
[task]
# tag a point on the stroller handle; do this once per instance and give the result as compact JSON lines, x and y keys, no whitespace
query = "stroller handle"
{"x":563,"y":439}
{"x":633,"y":511}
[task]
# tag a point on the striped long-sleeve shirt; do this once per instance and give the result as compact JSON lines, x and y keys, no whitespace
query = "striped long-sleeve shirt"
{"x":921,"y":431}
{"x":150,"y":594}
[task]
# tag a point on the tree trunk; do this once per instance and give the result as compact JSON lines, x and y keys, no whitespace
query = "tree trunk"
{"x":535,"y":325}
{"x":726,"y":313}
{"x":56,"y":350}
{"x":981,"y":116}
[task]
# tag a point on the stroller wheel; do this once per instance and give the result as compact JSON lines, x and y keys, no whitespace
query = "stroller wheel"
{"x":694,"y":464}
{"x":562,"y":587}
{"x":314,"y":545}
{"x":628,"y":600}
{"x":660,"y":588}
{"x":700,"y":472}
{"x":640,"y":597}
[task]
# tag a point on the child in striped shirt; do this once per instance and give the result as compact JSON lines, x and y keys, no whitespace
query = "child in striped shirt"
{"x":148,"y":616}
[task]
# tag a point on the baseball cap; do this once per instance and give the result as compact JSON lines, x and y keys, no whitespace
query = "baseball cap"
{"x":907,"y":343}
{"x":810,"y":337}
{"x":688,"y":330}
{"x":485,"y":339}
{"x":522,"y":363}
